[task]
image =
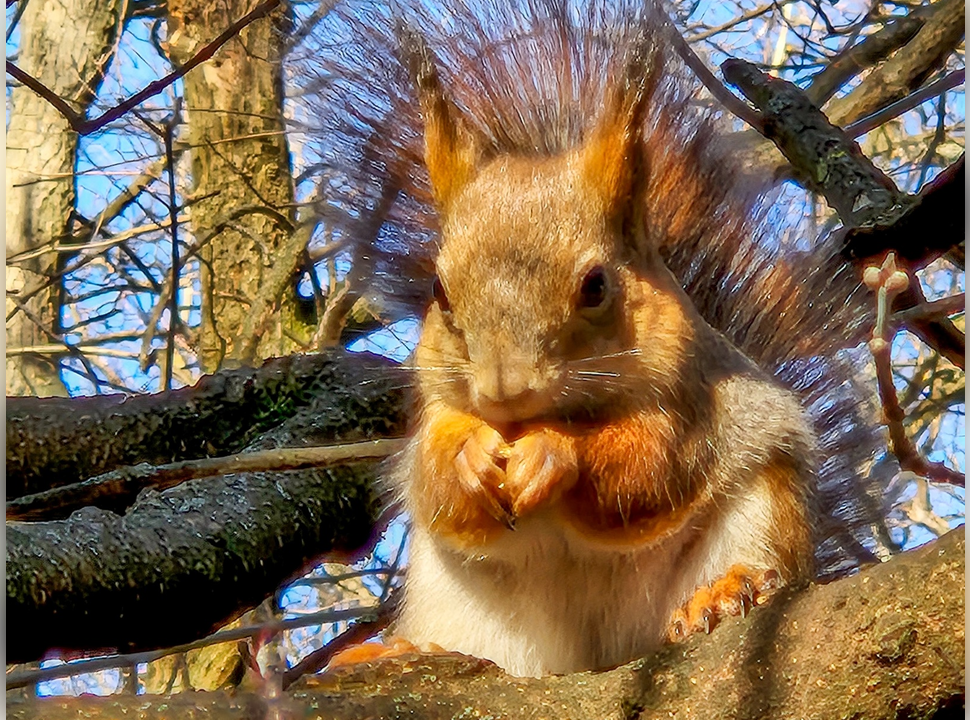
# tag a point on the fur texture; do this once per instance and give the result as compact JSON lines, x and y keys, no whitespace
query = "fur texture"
{"x":511,"y":222}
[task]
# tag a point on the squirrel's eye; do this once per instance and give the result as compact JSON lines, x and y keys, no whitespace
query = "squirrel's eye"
{"x":594,"y":290}
{"x":438,"y":292}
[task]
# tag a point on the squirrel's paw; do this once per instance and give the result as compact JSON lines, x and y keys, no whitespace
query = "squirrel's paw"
{"x":542,"y":465}
{"x":370,"y":651}
{"x":481,"y":475}
{"x":734,"y":594}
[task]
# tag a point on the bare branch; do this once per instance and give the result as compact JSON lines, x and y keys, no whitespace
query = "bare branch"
{"x":85,"y":127}
{"x":887,"y":282}
{"x":128,"y":482}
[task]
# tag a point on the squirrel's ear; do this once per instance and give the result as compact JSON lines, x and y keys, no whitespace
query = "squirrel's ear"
{"x":611,"y":156}
{"x":451,"y":150}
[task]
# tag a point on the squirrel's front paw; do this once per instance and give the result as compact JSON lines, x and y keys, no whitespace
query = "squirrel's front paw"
{"x":480,"y":474}
{"x":734,"y":594}
{"x":542,"y":465}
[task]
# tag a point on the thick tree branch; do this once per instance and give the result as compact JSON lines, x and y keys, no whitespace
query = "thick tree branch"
{"x":825,"y":160}
{"x":54,"y":441}
{"x":939,"y":205}
{"x":872,"y":646}
{"x":908,"y":68}
{"x":926,"y":52}
{"x":219,"y":545}
{"x":867,"y":52}
{"x":216,"y":546}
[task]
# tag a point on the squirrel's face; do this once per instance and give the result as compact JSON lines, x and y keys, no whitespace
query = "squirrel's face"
{"x":532,"y":300}
{"x":549,"y":302}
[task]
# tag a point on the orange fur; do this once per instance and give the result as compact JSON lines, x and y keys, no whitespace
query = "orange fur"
{"x":792,"y":533}
{"x":371,"y":651}
{"x":740,"y":589}
{"x":441,"y":500}
{"x":573,"y":397}
{"x":632,"y":489}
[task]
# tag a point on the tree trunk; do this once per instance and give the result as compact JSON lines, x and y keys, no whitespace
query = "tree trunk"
{"x":66,"y":45}
{"x":242,"y":195}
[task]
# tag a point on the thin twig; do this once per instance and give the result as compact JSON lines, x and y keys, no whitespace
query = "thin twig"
{"x":356,"y":634}
{"x":936,"y":310}
{"x":130,"y":480}
{"x":871,"y":122}
{"x":85,"y":127}
{"x":729,"y":100}
{"x":30,"y":677}
{"x":744,"y":17}
{"x":887,"y":282}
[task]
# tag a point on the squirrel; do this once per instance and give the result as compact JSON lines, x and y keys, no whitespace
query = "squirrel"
{"x":632,"y":419}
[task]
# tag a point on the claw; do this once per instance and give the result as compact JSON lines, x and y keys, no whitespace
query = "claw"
{"x":748,"y":588}
{"x":475,"y":483}
{"x":678,"y":629}
{"x":707,"y":617}
{"x":737,"y":592}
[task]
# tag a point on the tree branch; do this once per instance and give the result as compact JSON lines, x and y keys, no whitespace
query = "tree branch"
{"x":218,"y":545}
{"x":85,"y":127}
{"x":56,"y":441}
{"x":874,"y":645}
{"x":908,"y":68}
{"x":121,"y":486}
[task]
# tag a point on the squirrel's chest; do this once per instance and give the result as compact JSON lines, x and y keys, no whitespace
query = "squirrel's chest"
{"x":640,"y":478}
{"x":542,"y":603}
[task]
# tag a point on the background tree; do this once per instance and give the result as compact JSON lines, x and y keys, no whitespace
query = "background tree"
{"x":192,"y":231}
{"x":65,"y":46}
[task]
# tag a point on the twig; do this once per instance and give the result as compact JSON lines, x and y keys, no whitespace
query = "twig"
{"x":129,"y":481}
{"x":871,"y":122}
{"x":84,"y":127}
{"x":327,"y":580}
{"x":935,"y":310}
{"x":728,"y":99}
{"x":356,"y":634}
{"x":887,"y":282}
{"x":30,"y":677}
{"x":744,"y":17}
{"x":166,"y":133}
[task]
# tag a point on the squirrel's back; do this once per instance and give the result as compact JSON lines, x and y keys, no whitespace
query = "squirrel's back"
{"x":531,"y":77}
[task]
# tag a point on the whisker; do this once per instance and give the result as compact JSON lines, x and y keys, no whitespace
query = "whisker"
{"x":622,"y":353}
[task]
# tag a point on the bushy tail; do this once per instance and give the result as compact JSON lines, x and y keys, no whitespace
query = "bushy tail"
{"x":531,"y":76}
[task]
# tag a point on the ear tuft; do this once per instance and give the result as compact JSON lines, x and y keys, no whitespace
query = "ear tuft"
{"x":611,"y":156}
{"x":451,"y":150}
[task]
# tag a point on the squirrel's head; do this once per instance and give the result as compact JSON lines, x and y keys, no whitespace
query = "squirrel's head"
{"x":543,"y":271}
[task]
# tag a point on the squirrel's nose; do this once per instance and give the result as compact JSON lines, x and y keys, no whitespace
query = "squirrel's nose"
{"x":505,"y":390}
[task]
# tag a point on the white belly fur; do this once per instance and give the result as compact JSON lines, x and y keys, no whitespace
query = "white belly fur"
{"x":545,"y":600}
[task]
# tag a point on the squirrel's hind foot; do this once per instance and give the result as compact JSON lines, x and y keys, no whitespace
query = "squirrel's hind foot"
{"x":370,"y":651}
{"x":736,"y":593}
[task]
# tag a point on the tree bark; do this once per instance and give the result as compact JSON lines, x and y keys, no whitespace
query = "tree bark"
{"x":908,"y":68}
{"x":66,"y":45}
{"x":215,"y":545}
{"x":886,"y":643}
{"x":240,"y":171}
{"x":942,"y":25}
{"x":53,"y":441}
